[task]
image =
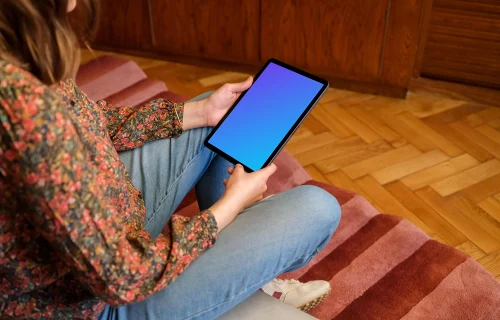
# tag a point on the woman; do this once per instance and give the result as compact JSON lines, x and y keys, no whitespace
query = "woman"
{"x":81,"y":224}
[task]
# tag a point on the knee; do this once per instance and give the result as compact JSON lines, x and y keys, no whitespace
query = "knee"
{"x":320,"y":206}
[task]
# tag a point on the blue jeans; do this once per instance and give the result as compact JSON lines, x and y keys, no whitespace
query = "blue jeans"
{"x":276,"y":235}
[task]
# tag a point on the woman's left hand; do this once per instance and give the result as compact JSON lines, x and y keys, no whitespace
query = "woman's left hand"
{"x":217,"y":104}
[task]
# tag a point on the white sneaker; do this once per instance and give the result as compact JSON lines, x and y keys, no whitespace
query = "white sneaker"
{"x":303,"y":296}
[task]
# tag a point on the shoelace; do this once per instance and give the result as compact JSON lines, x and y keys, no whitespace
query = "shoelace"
{"x":292,"y":281}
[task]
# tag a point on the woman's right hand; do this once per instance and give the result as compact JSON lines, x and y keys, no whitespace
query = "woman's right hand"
{"x":242,"y":189}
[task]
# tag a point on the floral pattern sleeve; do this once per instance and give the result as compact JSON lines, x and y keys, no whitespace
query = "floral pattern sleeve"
{"x":131,"y":127}
{"x":71,"y":218}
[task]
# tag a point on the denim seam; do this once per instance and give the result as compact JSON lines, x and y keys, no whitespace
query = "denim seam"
{"x":173,"y":183}
{"x":240,"y":293}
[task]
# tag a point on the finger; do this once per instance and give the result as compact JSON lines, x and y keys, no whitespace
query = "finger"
{"x":267,"y":171}
{"x":230,"y":170}
{"x":240,"y":86}
{"x":238,"y":170}
{"x":224,"y":182}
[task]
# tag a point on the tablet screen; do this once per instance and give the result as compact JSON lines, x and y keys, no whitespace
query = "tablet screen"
{"x":264,"y":116}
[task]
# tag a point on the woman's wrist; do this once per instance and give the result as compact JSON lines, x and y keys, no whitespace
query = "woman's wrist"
{"x":194,"y":115}
{"x":224,"y":211}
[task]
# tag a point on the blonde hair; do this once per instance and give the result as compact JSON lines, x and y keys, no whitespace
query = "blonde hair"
{"x":41,"y":37}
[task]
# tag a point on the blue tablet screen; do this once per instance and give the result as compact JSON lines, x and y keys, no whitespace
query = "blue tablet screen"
{"x":263,"y":117}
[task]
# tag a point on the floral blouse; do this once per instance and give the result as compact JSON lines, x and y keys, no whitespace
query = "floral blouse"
{"x":72,"y":235}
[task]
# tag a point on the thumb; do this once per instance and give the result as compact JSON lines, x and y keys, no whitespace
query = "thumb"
{"x":241,"y":86}
{"x":268,"y":171}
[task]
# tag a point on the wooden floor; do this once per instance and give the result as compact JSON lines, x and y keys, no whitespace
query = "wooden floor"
{"x":431,"y":159}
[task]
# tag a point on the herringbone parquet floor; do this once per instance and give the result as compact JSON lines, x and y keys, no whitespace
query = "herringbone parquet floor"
{"x":430,"y":159}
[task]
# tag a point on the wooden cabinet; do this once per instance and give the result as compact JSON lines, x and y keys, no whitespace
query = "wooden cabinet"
{"x":365,"y":45}
{"x":217,"y":29}
{"x":464,"y":42}
{"x":338,"y":37}
{"x":124,"y":24}
{"x":373,"y":43}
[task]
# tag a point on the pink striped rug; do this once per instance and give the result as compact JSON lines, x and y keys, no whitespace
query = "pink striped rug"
{"x":383,"y":267}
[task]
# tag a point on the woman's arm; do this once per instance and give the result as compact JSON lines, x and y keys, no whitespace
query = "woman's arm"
{"x":131,"y":127}
{"x":83,"y":211}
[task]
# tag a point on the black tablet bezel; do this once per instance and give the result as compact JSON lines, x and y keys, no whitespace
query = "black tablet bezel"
{"x":292,"y":129}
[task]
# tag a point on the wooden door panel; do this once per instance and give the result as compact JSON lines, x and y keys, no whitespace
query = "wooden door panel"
{"x":124,"y":24}
{"x":337,"y":37}
{"x":217,"y":29}
{"x":403,"y":32}
{"x":464,"y":42}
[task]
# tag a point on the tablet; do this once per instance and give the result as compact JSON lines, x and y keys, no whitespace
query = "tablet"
{"x":264,"y":117}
